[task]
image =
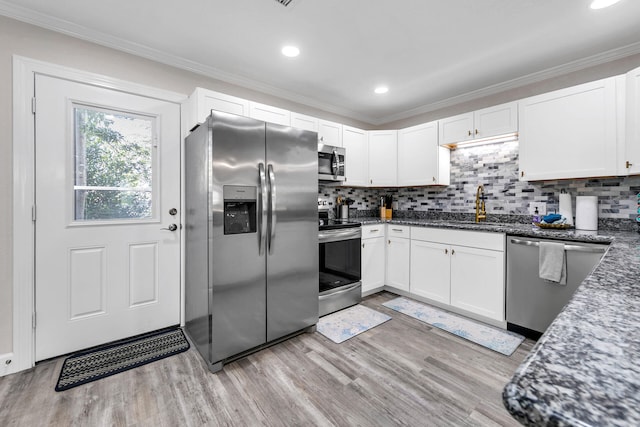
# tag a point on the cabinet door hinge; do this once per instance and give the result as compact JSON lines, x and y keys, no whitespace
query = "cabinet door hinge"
{"x":33,"y":320}
{"x":33,"y":213}
{"x":33,"y":105}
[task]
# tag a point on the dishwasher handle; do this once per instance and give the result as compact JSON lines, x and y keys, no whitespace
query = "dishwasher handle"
{"x":575,"y":248}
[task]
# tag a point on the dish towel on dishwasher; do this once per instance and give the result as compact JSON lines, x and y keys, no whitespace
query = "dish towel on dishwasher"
{"x":553,"y":262}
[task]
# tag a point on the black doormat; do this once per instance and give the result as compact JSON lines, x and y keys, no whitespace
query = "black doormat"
{"x":110,"y":359}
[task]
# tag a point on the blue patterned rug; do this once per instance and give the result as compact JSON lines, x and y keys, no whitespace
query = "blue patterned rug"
{"x":495,"y":339}
{"x":347,"y":323}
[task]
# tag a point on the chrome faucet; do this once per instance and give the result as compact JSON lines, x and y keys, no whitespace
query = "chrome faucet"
{"x":481,"y":213}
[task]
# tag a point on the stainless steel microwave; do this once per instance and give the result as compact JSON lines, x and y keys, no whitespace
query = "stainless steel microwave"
{"x":331,"y":163}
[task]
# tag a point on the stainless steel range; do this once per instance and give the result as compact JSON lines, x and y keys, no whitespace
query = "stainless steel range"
{"x":340,"y":275}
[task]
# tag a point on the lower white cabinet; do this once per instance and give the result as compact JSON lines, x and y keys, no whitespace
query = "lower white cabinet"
{"x":477,"y":281}
{"x":464,"y":269}
{"x":398,"y":256}
{"x":372,"y":256}
{"x":430,"y":273}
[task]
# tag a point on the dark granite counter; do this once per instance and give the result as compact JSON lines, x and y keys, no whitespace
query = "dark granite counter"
{"x":585,"y":370}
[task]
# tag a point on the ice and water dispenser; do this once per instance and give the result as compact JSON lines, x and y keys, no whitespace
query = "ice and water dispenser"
{"x":239,"y":209}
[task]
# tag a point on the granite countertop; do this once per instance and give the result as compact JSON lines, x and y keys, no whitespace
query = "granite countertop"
{"x":585,"y":369}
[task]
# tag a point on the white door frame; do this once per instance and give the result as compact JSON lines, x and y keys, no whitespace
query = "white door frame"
{"x":24,"y":71}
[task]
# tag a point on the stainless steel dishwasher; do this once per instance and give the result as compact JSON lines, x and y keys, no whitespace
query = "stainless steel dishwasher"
{"x":533,"y":303}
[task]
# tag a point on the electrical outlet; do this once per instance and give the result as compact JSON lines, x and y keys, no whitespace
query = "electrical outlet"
{"x":542,"y":208}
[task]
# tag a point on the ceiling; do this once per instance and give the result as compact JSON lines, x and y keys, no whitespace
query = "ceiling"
{"x":430,"y":53}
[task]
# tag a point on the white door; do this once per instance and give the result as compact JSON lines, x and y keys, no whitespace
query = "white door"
{"x":107,"y":183}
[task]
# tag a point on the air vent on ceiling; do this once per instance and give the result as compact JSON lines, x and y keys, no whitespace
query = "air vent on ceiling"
{"x":284,"y":2}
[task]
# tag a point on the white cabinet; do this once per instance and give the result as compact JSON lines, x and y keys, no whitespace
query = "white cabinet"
{"x":330,"y":133}
{"x":629,"y":163}
{"x":270,"y":114}
{"x":488,"y":122}
{"x":430,"y":270}
{"x":373,"y":257}
{"x":464,"y":269}
{"x":383,"y":158}
{"x":398,"y":256}
{"x":202,"y":101}
{"x":477,"y":281}
{"x":305,"y":122}
{"x":569,"y":133}
{"x":456,"y":129}
{"x":421,"y":161}
{"x":356,"y":163}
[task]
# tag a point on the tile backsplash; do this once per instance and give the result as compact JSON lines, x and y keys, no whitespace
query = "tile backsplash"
{"x":495,"y":166}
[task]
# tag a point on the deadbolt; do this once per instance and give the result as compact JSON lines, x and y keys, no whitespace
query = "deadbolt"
{"x":173,"y":211}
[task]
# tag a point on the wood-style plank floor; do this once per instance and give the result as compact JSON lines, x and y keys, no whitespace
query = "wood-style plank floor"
{"x":401,"y":373}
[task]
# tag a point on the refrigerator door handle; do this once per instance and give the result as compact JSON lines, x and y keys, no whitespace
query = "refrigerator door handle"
{"x":272,"y":207}
{"x":262,"y":209}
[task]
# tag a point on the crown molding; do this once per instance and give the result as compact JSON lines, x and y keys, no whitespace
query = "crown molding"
{"x":81,"y":32}
{"x":557,"y":71}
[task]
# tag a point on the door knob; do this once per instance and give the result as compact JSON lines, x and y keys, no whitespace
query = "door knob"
{"x":172,"y":227}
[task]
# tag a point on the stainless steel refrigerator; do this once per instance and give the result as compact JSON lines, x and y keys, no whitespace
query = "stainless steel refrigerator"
{"x":251,"y":252}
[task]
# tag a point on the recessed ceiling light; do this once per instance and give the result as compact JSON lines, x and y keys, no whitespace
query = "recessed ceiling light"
{"x":381,"y":89}
{"x":601,"y":4}
{"x":290,"y":51}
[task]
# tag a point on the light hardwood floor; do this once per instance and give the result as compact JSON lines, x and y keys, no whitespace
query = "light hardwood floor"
{"x":401,"y":373}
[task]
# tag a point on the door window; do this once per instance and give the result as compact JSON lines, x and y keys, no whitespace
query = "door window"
{"x":114,"y":156}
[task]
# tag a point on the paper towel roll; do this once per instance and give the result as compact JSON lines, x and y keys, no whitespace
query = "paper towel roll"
{"x":566,"y":209}
{"x":587,"y":212}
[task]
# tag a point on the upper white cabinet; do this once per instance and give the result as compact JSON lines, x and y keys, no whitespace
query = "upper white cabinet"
{"x":270,"y":114}
{"x":330,"y":133}
{"x":569,"y":133}
{"x":202,"y":101}
{"x":493,"y":121}
{"x":421,"y":161}
{"x":305,"y":122}
{"x":354,"y":141}
{"x":629,"y":162}
{"x":383,"y":158}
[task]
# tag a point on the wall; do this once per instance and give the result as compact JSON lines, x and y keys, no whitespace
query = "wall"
{"x":495,"y":166}
{"x":17,"y":38}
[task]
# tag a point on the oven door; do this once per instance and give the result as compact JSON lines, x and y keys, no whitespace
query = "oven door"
{"x":331,"y":163}
{"x":340,"y":285}
{"x":339,"y":258}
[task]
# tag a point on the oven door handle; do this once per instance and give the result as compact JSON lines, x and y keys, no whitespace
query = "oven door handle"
{"x":327,"y":236}
{"x":341,"y":291}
